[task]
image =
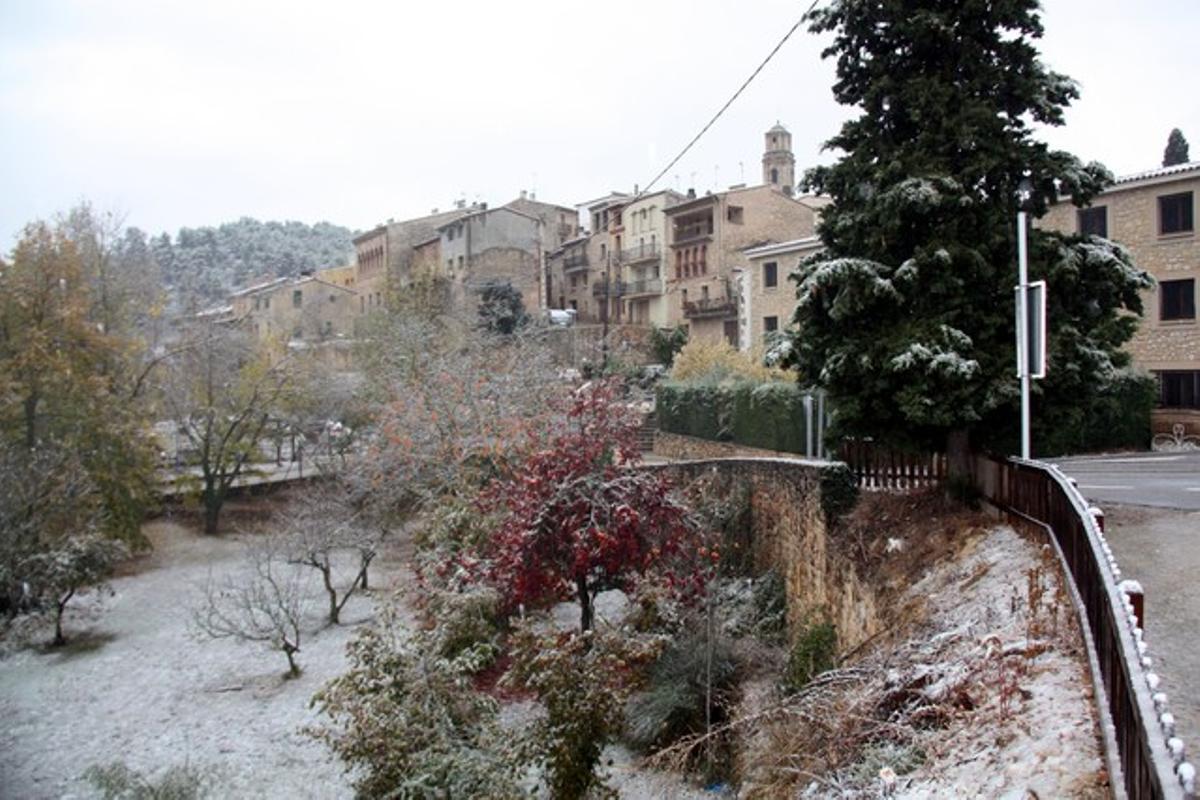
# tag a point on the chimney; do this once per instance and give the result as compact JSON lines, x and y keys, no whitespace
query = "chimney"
{"x":522,"y":194}
{"x":691,"y":194}
{"x":635,"y":190}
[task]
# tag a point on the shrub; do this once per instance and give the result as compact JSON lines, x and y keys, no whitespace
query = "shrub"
{"x":716,"y":362}
{"x":116,"y":781}
{"x":770,"y":415}
{"x":682,"y":683}
{"x":666,"y":342}
{"x":814,"y":652}
{"x":839,"y":491}
{"x":467,"y":624}
{"x":582,"y":680}
{"x":407,"y":723}
{"x":770,"y":607}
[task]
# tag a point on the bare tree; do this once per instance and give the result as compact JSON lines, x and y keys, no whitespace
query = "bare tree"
{"x":223,"y":391}
{"x":265,"y":601}
{"x":327,"y":533}
{"x":448,"y":403}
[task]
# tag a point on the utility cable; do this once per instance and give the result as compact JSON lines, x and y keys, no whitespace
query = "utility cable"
{"x":728,"y":103}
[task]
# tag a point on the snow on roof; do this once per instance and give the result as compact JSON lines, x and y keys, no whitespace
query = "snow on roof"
{"x":1161,"y":172}
{"x":258,"y":287}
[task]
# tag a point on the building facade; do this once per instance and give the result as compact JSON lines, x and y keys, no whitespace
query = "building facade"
{"x":706,"y":257}
{"x":768,"y":297}
{"x":1153,"y":214}
{"x":304,"y":309}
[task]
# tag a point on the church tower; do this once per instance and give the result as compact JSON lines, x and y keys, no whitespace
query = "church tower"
{"x":779,"y":165}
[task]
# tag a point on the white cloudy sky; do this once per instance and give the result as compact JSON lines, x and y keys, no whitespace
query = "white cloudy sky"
{"x":193,"y":113}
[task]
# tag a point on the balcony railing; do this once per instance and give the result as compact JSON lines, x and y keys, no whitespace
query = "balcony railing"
{"x":607,"y":288}
{"x":643,"y":253}
{"x":579,"y":261}
{"x":647,"y":286}
{"x":692,"y":233}
{"x":710,"y":307}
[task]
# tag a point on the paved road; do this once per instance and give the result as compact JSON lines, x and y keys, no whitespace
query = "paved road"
{"x":1160,"y":548}
{"x":1163,"y":480}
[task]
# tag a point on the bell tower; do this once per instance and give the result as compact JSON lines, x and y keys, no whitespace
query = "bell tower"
{"x":779,"y":165}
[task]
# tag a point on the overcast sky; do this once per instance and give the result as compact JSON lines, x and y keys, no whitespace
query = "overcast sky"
{"x":194,"y":113}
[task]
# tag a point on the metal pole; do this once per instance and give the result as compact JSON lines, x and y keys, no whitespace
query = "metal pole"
{"x":1023,"y":330}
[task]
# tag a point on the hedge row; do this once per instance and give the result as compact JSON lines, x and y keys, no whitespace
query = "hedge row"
{"x":770,"y":416}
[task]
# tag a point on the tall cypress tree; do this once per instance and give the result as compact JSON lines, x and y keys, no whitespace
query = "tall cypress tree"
{"x":906,"y":316}
{"x":1177,"y":149}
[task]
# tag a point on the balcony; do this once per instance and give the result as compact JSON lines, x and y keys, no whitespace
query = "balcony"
{"x":692,"y":234}
{"x":650,"y":286}
{"x":607,"y":289}
{"x":632,"y":255}
{"x":575,"y":262}
{"x":710,"y":307}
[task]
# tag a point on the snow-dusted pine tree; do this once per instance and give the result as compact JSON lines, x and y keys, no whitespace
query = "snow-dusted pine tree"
{"x":906,"y":317}
{"x":1177,"y":149}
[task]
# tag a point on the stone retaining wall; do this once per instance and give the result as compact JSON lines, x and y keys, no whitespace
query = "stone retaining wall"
{"x":790,"y":514}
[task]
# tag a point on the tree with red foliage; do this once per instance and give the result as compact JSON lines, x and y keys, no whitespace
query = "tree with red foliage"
{"x":578,"y":520}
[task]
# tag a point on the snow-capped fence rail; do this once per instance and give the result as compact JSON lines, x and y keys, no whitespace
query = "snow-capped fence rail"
{"x":1151,"y":759}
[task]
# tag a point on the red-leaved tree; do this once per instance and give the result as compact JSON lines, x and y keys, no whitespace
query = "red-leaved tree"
{"x":578,"y":520}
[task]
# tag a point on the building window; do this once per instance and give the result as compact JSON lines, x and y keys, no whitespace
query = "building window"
{"x":770,"y":275}
{"x":774,"y":175}
{"x":734,"y":214}
{"x":297,"y":298}
{"x":460,"y":262}
{"x":297,"y":333}
{"x":770,"y":324}
{"x":1179,"y":388}
{"x":266,"y":302}
{"x":328,"y":328}
{"x":1094,"y":221}
{"x":1177,"y":299}
{"x":450,"y":234}
{"x":1175,"y":213}
{"x":333,"y":298}
{"x":256,"y":304}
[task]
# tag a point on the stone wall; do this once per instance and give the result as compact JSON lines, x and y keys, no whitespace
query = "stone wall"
{"x":791,"y":532}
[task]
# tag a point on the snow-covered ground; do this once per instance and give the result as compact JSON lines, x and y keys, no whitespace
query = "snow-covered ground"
{"x":1033,"y":732}
{"x":137,"y":686}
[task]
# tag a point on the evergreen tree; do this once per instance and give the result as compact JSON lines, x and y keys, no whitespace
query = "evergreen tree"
{"x":1177,"y":149}
{"x":906,"y":317}
{"x":501,"y":309}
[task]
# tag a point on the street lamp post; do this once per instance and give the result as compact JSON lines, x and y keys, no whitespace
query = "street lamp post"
{"x":1023,"y":193}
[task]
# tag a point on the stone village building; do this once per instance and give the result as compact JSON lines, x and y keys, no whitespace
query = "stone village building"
{"x":469,"y":247}
{"x":1153,"y":214}
{"x":668,"y":259}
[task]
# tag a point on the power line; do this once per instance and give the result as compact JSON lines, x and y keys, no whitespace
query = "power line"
{"x":728,"y":103}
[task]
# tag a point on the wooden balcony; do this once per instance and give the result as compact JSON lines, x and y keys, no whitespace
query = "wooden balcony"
{"x":710,"y":307}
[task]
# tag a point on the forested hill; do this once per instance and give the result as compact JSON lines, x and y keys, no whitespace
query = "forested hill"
{"x":203,"y":264}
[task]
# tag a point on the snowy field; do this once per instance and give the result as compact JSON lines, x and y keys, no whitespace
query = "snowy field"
{"x":136,"y":685}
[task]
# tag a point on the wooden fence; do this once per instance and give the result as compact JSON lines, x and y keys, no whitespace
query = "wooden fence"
{"x":887,"y":468}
